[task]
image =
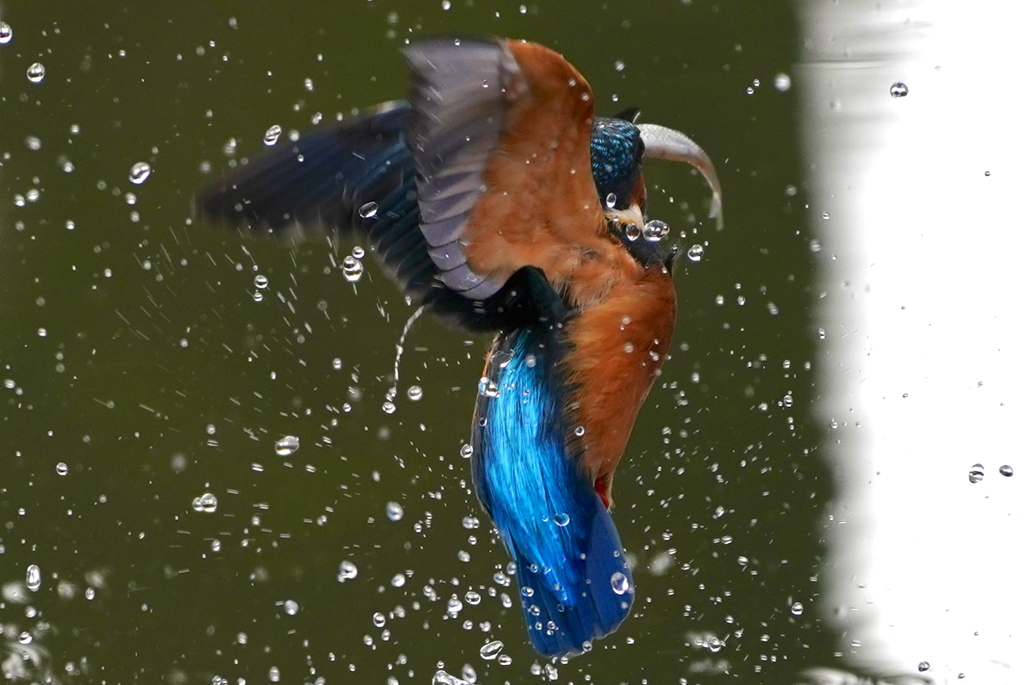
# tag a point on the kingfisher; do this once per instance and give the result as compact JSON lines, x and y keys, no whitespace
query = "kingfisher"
{"x":497,"y":200}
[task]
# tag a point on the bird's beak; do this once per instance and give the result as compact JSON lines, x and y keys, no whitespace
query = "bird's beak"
{"x":664,"y":143}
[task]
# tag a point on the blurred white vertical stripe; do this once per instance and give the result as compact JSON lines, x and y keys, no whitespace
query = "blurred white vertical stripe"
{"x":922,"y":365}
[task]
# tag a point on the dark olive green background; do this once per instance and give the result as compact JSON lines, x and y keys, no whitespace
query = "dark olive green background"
{"x":136,"y":365}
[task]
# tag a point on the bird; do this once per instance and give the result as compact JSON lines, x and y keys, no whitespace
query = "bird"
{"x":497,"y":200}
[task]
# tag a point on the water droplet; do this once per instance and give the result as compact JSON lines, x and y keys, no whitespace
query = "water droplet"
{"x":414,"y":393}
{"x":923,"y":666}
{"x":579,"y":431}
{"x":33,"y":578}
{"x":473,"y":598}
{"x":466,"y":451}
{"x":347,"y":571}
{"x":351,"y":268}
{"x":797,"y":609}
{"x":398,"y":580}
{"x":487,"y":387}
{"x":291,"y":607}
{"x":695,"y":253}
{"x":272,"y":135}
{"x":976,"y":474}
{"x":139,"y":173}
{"x":619,"y":65}
{"x":782,"y":82}
{"x":368,"y":211}
{"x":205,"y":503}
{"x":610,"y":200}
{"x":1006,"y":470}
{"x":379,"y":620}
{"x":36,"y":72}
{"x":492,"y":649}
{"x":6,"y":33}
{"x":899,"y":90}
{"x":388,"y":407}
{"x":633,"y":231}
{"x":336,"y":364}
{"x":561,"y":519}
{"x":286,"y":446}
{"x":620,"y":583}
{"x":62,"y":468}
{"x":394,"y":511}
{"x":454,"y":605}
{"x":655,"y":230}
{"x":821,"y":333}
{"x":443,"y":677}
{"x":261,"y":281}
{"x":25,"y":637}
{"x":501,"y":358}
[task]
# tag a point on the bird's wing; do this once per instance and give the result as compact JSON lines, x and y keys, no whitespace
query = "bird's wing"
{"x":500,"y":133}
{"x":485,"y":171}
{"x":355,"y":178}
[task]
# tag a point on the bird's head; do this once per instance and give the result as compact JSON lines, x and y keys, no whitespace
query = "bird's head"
{"x":616,"y":152}
{"x":618,"y":147}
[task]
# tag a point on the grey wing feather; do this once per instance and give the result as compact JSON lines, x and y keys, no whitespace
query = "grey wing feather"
{"x":459,"y":104}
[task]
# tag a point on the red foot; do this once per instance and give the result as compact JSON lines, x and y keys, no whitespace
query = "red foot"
{"x":602,"y":487}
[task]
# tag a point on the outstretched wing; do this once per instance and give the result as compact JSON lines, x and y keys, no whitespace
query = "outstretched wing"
{"x":484,"y":171}
{"x":355,"y":178}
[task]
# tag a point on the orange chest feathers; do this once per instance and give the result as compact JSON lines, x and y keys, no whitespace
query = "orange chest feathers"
{"x":618,"y":347}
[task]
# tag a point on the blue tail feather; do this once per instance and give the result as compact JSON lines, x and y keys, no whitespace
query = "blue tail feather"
{"x":574,"y":583}
{"x":602,"y":587}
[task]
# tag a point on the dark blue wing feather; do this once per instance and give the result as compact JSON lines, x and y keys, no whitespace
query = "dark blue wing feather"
{"x":574,"y":583}
{"x":326,"y":179}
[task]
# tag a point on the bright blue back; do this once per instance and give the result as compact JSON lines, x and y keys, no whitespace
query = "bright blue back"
{"x":573,"y":579}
